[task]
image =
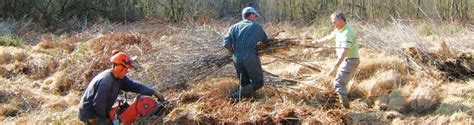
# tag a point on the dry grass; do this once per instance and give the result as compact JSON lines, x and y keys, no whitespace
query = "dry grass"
{"x":59,"y":105}
{"x":396,"y":100}
{"x":41,"y":65}
{"x":17,"y":102}
{"x":369,"y":67}
{"x":424,"y":99}
{"x":19,"y":55}
{"x":5,"y":56}
{"x":50,"y":77}
{"x":451,"y":105}
{"x":288,"y":70}
{"x":381,"y":83}
{"x":63,"y":43}
{"x":12,"y":54}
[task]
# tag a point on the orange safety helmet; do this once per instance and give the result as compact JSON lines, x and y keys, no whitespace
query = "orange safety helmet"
{"x":123,"y":59}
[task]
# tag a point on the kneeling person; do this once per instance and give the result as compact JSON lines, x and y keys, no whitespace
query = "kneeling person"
{"x":101,"y":93}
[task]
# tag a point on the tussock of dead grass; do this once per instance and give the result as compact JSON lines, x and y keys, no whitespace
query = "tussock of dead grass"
{"x":47,"y":42}
{"x":5,"y":56}
{"x":8,"y":110}
{"x":59,"y":105}
{"x":58,"y":84}
{"x":14,"y":62}
{"x":396,"y":100}
{"x":4,"y":72}
{"x":65,"y":43}
{"x":71,"y":99}
{"x":359,"y":105}
{"x":119,"y":40}
{"x":368,"y":68}
{"x":19,"y":55}
{"x":381,"y":83}
{"x":41,"y":65}
{"x":424,"y":99}
{"x":83,"y":63}
{"x":17,"y":102}
{"x":12,"y":54}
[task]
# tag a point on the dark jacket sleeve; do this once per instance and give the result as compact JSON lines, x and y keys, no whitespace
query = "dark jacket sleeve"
{"x":229,"y":39}
{"x":263,"y":35}
{"x":133,"y":86}
{"x":101,"y":98}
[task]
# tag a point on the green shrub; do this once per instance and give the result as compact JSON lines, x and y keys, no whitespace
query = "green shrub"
{"x":10,"y":40}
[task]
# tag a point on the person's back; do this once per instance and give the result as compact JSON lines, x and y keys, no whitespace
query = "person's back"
{"x":241,"y":41}
{"x":103,"y":79}
{"x":245,"y":35}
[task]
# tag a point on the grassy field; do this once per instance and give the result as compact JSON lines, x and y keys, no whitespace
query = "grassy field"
{"x":410,"y":72}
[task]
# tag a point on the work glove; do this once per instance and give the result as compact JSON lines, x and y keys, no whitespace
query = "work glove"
{"x":261,"y":46}
{"x":159,"y":97}
{"x":333,"y":72}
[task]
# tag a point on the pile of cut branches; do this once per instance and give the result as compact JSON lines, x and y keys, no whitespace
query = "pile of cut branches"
{"x":212,"y":62}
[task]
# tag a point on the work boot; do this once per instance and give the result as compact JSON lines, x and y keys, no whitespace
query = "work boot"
{"x":235,"y":95}
{"x":344,"y":100}
{"x":244,"y":92}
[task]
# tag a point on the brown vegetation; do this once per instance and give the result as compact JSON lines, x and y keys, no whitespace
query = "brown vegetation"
{"x":187,"y":63}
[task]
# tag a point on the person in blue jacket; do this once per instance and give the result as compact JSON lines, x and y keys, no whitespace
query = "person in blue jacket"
{"x":102,"y":91}
{"x":241,"y":40}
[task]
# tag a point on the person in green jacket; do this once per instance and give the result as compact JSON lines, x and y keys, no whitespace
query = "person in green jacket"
{"x":347,"y":50}
{"x":241,"y":40}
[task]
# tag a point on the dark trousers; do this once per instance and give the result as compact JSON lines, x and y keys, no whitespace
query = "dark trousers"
{"x":250,"y":73}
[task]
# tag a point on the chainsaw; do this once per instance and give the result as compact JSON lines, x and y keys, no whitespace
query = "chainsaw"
{"x":142,"y":105}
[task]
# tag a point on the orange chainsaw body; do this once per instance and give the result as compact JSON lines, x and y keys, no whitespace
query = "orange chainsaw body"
{"x":142,"y":105}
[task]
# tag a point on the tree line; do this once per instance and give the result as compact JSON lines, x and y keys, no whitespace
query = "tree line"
{"x":52,"y":12}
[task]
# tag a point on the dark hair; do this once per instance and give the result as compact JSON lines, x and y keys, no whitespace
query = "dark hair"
{"x":247,"y":15}
{"x":339,"y":15}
